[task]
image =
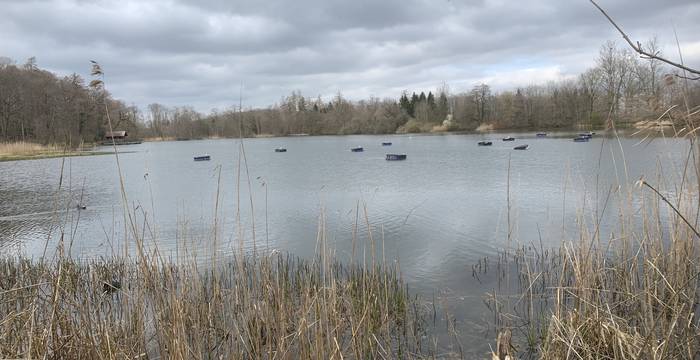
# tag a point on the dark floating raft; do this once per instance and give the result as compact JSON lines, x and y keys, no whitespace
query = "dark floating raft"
{"x":582,"y":139}
{"x":541,"y":134}
{"x":386,"y":144}
{"x":521,"y":147}
{"x":395,"y":157}
{"x":357,"y":149}
{"x":280,"y":150}
{"x":485,"y":143}
{"x":202,"y":158}
{"x":510,"y":138}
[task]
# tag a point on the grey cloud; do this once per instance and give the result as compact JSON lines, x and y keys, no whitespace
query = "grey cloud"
{"x":187,"y":52}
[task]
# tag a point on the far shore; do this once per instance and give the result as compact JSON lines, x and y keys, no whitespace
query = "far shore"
{"x":561,"y":131}
{"x":31,"y":151}
{"x":9,"y":157}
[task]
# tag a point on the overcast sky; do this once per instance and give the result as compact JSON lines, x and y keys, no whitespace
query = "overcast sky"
{"x":198,"y":53}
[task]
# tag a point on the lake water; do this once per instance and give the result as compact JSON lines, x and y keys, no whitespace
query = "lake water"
{"x":438,"y":212}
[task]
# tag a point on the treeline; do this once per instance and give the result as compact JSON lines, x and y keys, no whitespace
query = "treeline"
{"x":39,"y":106}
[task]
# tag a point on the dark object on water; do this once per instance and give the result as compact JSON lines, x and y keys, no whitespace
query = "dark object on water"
{"x":582,"y":139}
{"x":485,"y":143}
{"x":120,"y":142}
{"x":204,"y":157}
{"x":395,"y":157}
{"x":521,"y":147}
{"x":281,"y":150}
{"x":542,"y":134}
{"x":386,"y":144}
{"x":586,"y":135}
{"x":510,"y":138}
{"x":357,"y":149}
{"x":110,"y":287}
{"x":81,"y":207}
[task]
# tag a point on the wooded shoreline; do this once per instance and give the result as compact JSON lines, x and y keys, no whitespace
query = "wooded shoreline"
{"x":39,"y":106}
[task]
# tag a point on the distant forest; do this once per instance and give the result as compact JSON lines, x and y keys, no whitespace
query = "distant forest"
{"x":37,"y":105}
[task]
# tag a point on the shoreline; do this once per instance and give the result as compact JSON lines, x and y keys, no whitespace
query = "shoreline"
{"x":52,"y":155}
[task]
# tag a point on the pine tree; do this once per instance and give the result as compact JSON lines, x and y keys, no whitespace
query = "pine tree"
{"x":404,"y":103}
{"x":443,"y":108}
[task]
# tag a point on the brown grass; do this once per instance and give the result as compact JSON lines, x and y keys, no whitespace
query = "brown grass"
{"x":635,"y":295}
{"x":26,"y":148}
{"x":27,"y":151}
{"x":271,"y":306}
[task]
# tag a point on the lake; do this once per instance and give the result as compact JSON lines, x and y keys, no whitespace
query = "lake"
{"x":437,"y":213}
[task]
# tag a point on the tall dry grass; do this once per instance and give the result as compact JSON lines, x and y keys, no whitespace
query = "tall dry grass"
{"x":270,"y":306}
{"x":634,"y":295}
{"x":26,"y":148}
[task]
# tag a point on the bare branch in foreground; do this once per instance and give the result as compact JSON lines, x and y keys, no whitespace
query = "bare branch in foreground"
{"x":638,"y":47}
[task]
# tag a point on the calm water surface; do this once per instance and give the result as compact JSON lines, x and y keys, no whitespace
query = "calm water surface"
{"x":438,"y":212}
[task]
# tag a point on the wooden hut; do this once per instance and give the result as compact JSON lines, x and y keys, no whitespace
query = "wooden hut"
{"x":116,"y":135}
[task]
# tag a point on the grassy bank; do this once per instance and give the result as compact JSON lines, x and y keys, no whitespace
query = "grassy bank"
{"x":272,"y":306}
{"x":30,"y":151}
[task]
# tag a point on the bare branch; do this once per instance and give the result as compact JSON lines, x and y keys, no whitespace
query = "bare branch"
{"x":688,"y":77}
{"x":638,"y":47}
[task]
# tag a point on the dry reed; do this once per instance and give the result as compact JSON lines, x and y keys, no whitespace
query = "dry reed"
{"x":271,"y":306}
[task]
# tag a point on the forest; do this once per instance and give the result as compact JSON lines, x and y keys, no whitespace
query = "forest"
{"x":39,"y":106}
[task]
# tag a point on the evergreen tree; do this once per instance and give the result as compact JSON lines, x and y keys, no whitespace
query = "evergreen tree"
{"x":443,"y":108}
{"x":431,"y":100}
{"x":404,"y":103}
{"x":414,"y":102}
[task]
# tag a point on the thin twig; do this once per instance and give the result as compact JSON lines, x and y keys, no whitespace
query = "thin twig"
{"x":638,"y":47}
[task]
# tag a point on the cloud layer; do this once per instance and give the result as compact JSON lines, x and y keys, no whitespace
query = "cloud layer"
{"x":188,"y":52}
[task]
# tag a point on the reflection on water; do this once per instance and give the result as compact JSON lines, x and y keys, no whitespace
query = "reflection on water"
{"x":437,"y":212}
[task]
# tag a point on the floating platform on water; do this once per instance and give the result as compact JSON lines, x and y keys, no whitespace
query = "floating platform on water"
{"x":541,"y":134}
{"x":395,"y":157}
{"x":485,"y":143}
{"x":509,"y":138}
{"x":205,"y":157}
{"x":281,"y":150}
{"x":357,"y":149}
{"x":582,"y":139}
{"x":120,"y":142}
{"x":386,"y":144}
{"x":521,"y":147}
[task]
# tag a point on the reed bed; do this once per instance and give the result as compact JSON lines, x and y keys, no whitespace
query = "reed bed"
{"x":635,"y":295}
{"x":269,"y":306}
{"x":26,"y":150}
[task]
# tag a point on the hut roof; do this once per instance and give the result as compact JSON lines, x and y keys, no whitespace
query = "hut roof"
{"x":115,"y":134}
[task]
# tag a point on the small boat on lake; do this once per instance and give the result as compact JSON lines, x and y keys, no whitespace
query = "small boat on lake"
{"x":386,"y":144}
{"x":485,"y":143}
{"x":509,"y":138}
{"x":395,"y":157}
{"x":204,"y":157}
{"x":582,"y":139}
{"x":541,"y":134}
{"x":585,"y":135}
{"x":357,"y":149}
{"x":280,"y":149}
{"x":521,"y":147}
